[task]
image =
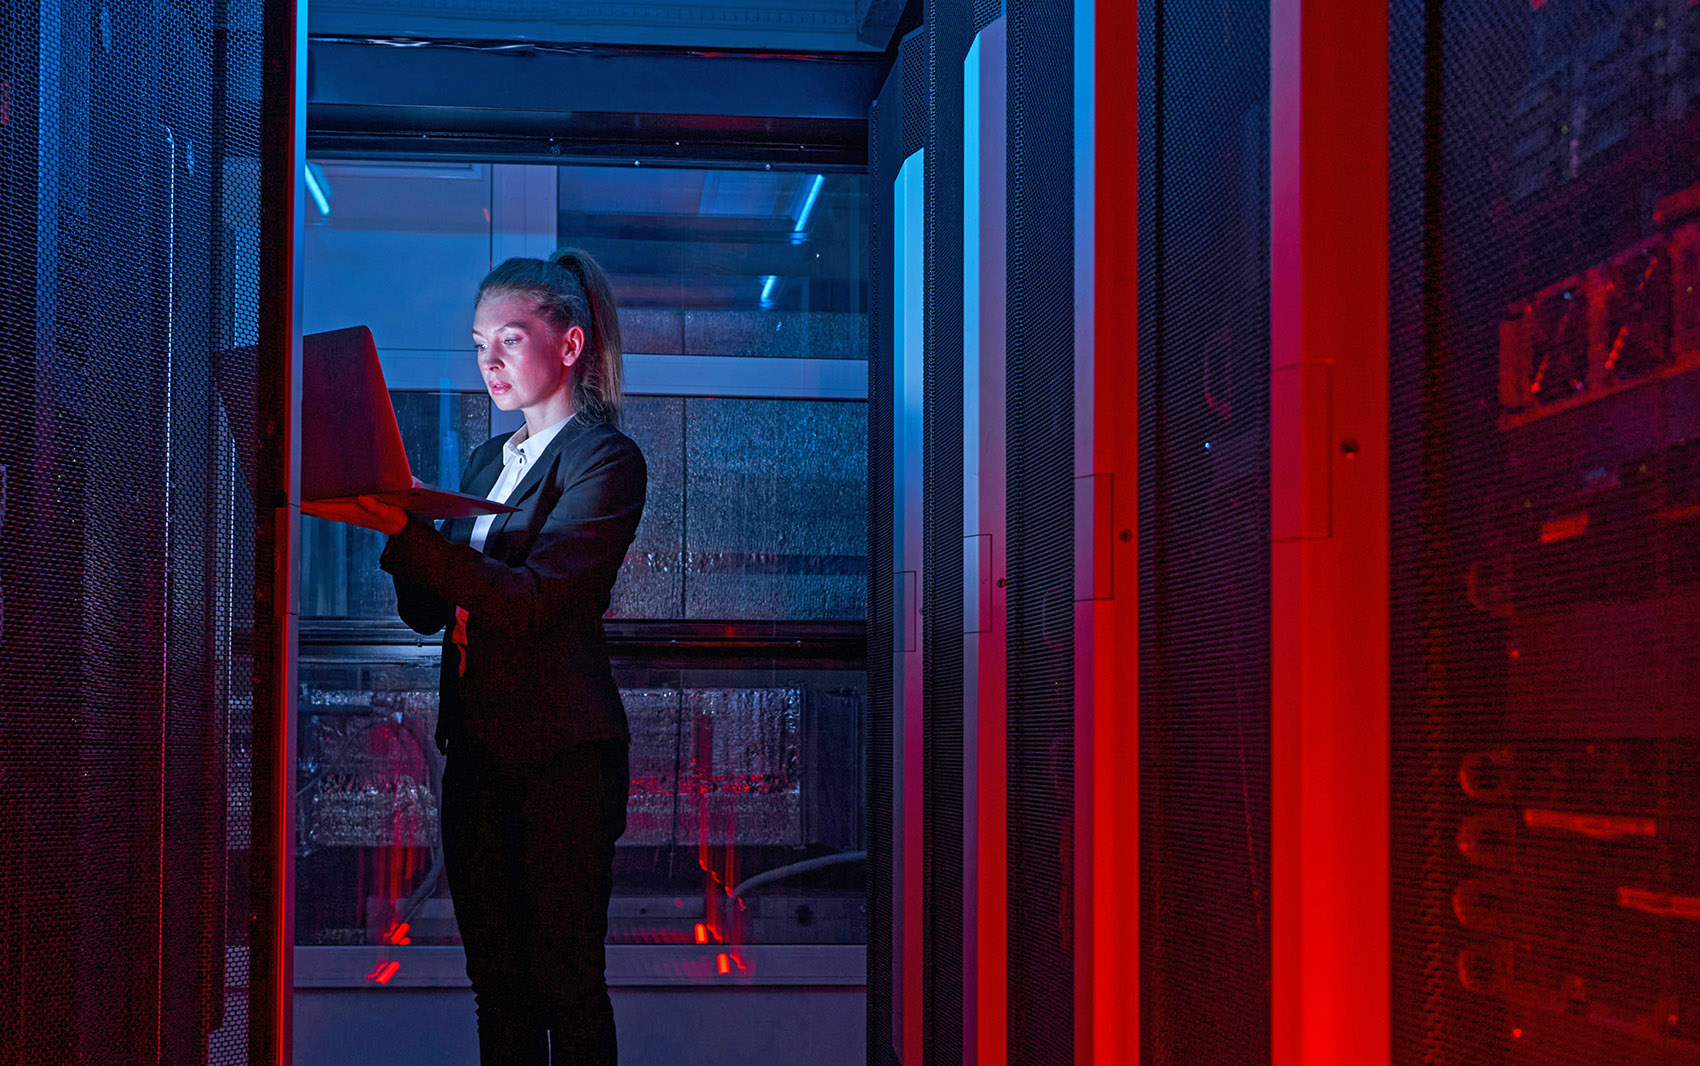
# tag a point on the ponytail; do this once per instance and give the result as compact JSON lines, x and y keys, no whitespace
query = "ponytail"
{"x":571,"y":289}
{"x":599,"y":387}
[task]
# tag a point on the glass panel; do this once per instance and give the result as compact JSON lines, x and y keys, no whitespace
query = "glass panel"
{"x":738,"y":776}
{"x":742,"y":766}
{"x":710,"y":262}
{"x":368,"y":779}
{"x":339,"y":563}
{"x":652,"y":581}
{"x":776,"y":494}
{"x":398,"y":247}
{"x":745,"y":813}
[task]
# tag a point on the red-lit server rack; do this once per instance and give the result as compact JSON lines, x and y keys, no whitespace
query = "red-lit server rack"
{"x":1545,"y":504}
{"x":141,"y":693}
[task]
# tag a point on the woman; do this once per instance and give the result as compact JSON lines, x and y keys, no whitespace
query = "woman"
{"x":534,"y":788}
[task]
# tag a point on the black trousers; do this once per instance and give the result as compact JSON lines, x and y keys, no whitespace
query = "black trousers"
{"x":529,"y":852}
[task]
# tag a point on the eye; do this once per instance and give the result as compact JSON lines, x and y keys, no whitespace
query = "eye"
{"x":477,"y":349}
{"x":510,"y":341}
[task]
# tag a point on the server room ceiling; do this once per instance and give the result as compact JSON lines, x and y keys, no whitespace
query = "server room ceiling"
{"x":777,"y":83}
{"x":777,"y":25}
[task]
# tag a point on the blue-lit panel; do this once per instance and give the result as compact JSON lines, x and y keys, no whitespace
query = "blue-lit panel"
{"x":651,"y":583}
{"x":402,"y":251}
{"x":776,"y":334}
{"x":775,"y":492}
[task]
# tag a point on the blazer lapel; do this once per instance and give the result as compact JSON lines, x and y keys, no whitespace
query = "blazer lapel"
{"x":478,"y":483}
{"x":539,"y":472}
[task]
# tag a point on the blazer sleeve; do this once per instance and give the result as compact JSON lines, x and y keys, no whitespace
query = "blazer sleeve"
{"x":572,"y":562}
{"x":420,"y":608}
{"x":423,"y":610}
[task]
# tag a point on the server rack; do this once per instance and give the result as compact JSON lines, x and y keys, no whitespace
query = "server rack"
{"x":143,"y":148}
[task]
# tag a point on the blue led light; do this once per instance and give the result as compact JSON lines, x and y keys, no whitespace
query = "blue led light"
{"x":767,"y":288}
{"x":809,"y":204}
{"x":316,"y":188}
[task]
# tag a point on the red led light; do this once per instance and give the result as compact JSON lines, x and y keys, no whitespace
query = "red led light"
{"x":1661,"y":904}
{"x":384,"y":972}
{"x":1572,"y":525}
{"x":702,"y":933}
{"x":1594,"y":826}
{"x":723,"y":964}
{"x":1516,"y":1034}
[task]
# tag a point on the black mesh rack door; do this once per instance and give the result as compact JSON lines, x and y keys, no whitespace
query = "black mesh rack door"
{"x":1040,"y":604}
{"x":1204,"y":533}
{"x":947,"y":38}
{"x":885,"y":155}
{"x":1545,"y":496}
{"x":130,"y":221}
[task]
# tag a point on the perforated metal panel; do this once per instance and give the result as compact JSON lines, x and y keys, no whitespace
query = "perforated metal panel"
{"x":1204,"y":533}
{"x":911,"y":71}
{"x":1546,"y":399}
{"x":1040,"y":604}
{"x":129,"y":145}
{"x":885,"y":155}
{"x":947,"y":40}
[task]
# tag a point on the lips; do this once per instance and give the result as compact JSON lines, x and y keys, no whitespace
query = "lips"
{"x":497,"y":388}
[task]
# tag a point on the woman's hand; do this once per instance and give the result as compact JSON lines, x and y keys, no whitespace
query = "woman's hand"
{"x":364,"y":511}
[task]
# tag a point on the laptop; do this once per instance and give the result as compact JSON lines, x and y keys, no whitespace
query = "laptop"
{"x":350,"y":443}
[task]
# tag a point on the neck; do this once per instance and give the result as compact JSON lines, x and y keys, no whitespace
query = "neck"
{"x":541,"y":416}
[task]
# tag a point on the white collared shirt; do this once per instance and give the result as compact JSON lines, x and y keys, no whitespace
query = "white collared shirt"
{"x":520,"y":453}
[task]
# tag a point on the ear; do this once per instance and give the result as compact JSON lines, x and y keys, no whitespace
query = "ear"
{"x":572,"y":345}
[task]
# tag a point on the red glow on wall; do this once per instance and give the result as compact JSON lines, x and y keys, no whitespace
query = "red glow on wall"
{"x":384,"y":972}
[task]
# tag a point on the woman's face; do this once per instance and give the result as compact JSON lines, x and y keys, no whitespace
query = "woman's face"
{"x":524,"y":363}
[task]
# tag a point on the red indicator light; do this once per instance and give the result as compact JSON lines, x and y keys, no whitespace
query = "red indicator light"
{"x":702,"y":933}
{"x":384,"y":972}
{"x":1593,"y":826}
{"x":398,"y":934}
{"x":1564,"y":528}
{"x":1516,"y":1034}
{"x":1680,"y":514}
{"x":1661,"y":904}
{"x":723,"y":964}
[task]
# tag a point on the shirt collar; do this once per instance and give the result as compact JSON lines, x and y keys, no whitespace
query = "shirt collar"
{"x":525,"y":446}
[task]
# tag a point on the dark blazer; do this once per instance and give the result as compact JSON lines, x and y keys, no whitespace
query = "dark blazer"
{"x":537,"y":675}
